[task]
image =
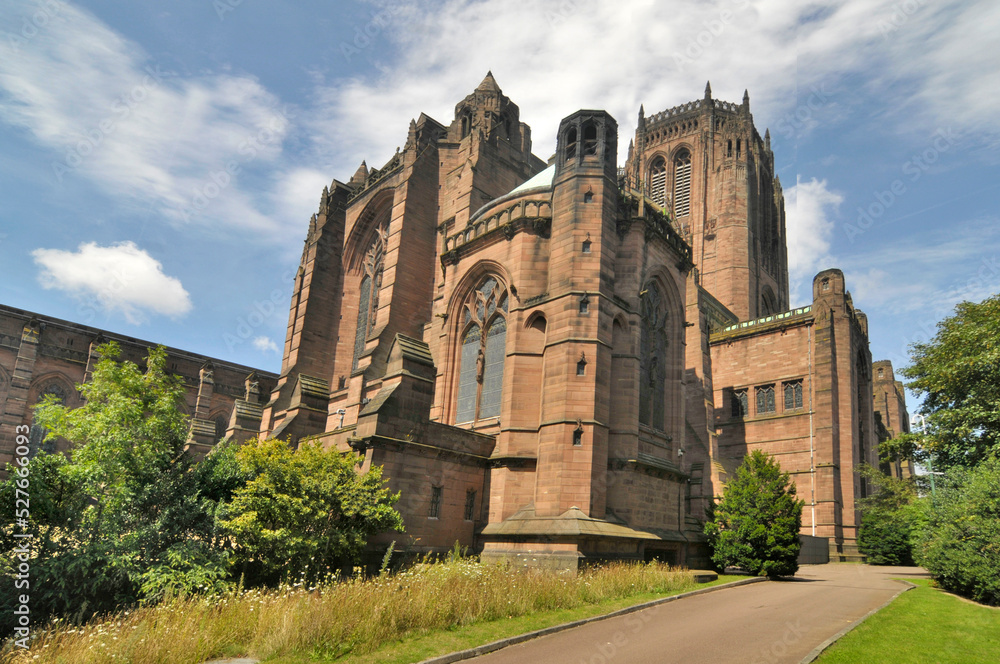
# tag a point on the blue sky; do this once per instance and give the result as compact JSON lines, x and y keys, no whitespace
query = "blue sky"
{"x":160,"y":161}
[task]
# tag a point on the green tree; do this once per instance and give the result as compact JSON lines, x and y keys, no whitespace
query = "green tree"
{"x":124,"y":502}
{"x":305,"y":512}
{"x":960,"y":545}
{"x":958,"y":375}
{"x":889,"y":518}
{"x":756,"y":524}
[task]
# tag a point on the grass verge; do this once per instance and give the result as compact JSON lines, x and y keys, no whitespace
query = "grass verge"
{"x":444,"y":606}
{"x":922,"y":625}
{"x":418,"y":647}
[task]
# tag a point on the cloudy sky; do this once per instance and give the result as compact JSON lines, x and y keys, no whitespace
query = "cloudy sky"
{"x":159,"y":161}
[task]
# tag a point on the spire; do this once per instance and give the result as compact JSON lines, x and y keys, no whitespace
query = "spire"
{"x":489,"y":84}
{"x":708,"y":90}
{"x":411,"y":136}
{"x":360,"y":174}
{"x":767,"y":138}
{"x":324,"y":201}
{"x":746,"y":99}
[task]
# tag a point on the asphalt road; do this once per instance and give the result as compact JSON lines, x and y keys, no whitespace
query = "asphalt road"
{"x":773,"y":623}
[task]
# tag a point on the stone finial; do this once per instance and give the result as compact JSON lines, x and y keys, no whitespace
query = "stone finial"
{"x":767,"y":138}
{"x":746,"y":100}
{"x":324,"y":200}
{"x":360,"y":174}
{"x":708,"y":90}
{"x":489,"y":84}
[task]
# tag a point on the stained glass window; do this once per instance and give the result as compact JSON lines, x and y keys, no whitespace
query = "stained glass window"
{"x":793,"y":395}
{"x":496,"y":350}
{"x":765,"y":399}
{"x":480,"y":379}
{"x":371,"y":282}
{"x":468,"y":386}
{"x":741,"y":405}
{"x":653,"y":344}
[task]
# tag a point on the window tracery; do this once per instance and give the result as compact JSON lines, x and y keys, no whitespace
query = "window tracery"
{"x":483,"y":351}
{"x":653,"y":345}
{"x":371,"y":283}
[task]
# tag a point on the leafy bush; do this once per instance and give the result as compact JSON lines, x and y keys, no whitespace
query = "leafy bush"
{"x":305,"y":512}
{"x":756,"y":524}
{"x":960,"y":546}
{"x":888,"y":519}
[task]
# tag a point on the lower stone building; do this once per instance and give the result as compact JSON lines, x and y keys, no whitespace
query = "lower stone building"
{"x":41,"y":355}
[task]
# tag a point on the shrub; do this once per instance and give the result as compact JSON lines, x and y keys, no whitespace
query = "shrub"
{"x":960,"y":546}
{"x":888,"y":518}
{"x":756,"y":524}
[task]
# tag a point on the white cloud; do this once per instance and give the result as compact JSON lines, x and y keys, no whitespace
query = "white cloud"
{"x":809,"y":228}
{"x":109,"y":112}
{"x":265,"y":344}
{"x":929,"y":275}
{"x":553,"y":58}
{"x":121,"y":277}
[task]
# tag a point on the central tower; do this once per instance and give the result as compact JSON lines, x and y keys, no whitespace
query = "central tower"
{"x":707,"y":166}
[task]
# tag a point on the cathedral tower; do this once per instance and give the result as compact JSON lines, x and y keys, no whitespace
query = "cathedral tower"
{"x":705,"y":163}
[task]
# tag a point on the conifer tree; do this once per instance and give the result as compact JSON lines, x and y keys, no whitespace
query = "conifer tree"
{"x":756,"y":524}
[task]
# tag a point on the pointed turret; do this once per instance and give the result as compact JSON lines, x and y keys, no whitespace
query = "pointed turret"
{"x":767,"y":139}
{"x":746,"y":101}
{"x":708,"y":90}
{"x":489,"y":84}
{"x":360,"y":174}
{"x":324,"y":200}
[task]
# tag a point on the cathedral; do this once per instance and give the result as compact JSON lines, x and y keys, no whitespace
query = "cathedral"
{"x":556,"y":361}
{"x":560,"y":361}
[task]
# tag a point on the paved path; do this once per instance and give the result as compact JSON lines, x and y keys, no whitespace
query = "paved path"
{"x":773,"y":622}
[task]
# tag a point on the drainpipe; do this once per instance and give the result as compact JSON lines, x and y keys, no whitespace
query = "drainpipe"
{"x":812,"y":458}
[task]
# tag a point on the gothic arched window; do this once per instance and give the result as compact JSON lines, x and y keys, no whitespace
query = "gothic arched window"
{"x":653,"y":345}
{"x":482,"y":354}
{"x":570,"y":144}
{"x":658,"y":181}
{"x":37,"y":433}
{"x":682,"y":184}
{"x":589,"y":139}
{"x":371,"y":282}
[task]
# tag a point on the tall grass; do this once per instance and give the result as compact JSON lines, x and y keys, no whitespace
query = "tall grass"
{"x":356,"y":616}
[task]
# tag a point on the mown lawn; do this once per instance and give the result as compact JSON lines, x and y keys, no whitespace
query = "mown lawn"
{"x":922,"y":625}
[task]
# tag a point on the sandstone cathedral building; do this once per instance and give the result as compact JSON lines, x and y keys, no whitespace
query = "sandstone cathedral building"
{"x":560,"y":361}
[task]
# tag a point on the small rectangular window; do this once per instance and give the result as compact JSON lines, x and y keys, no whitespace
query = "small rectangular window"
{"x":470,"y":505}
{"x":740,"y":404}
{"x":793,"y":395}
{"x":765,"y":399}
{"x":578,"y":438}
{"x":435,"y":510}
